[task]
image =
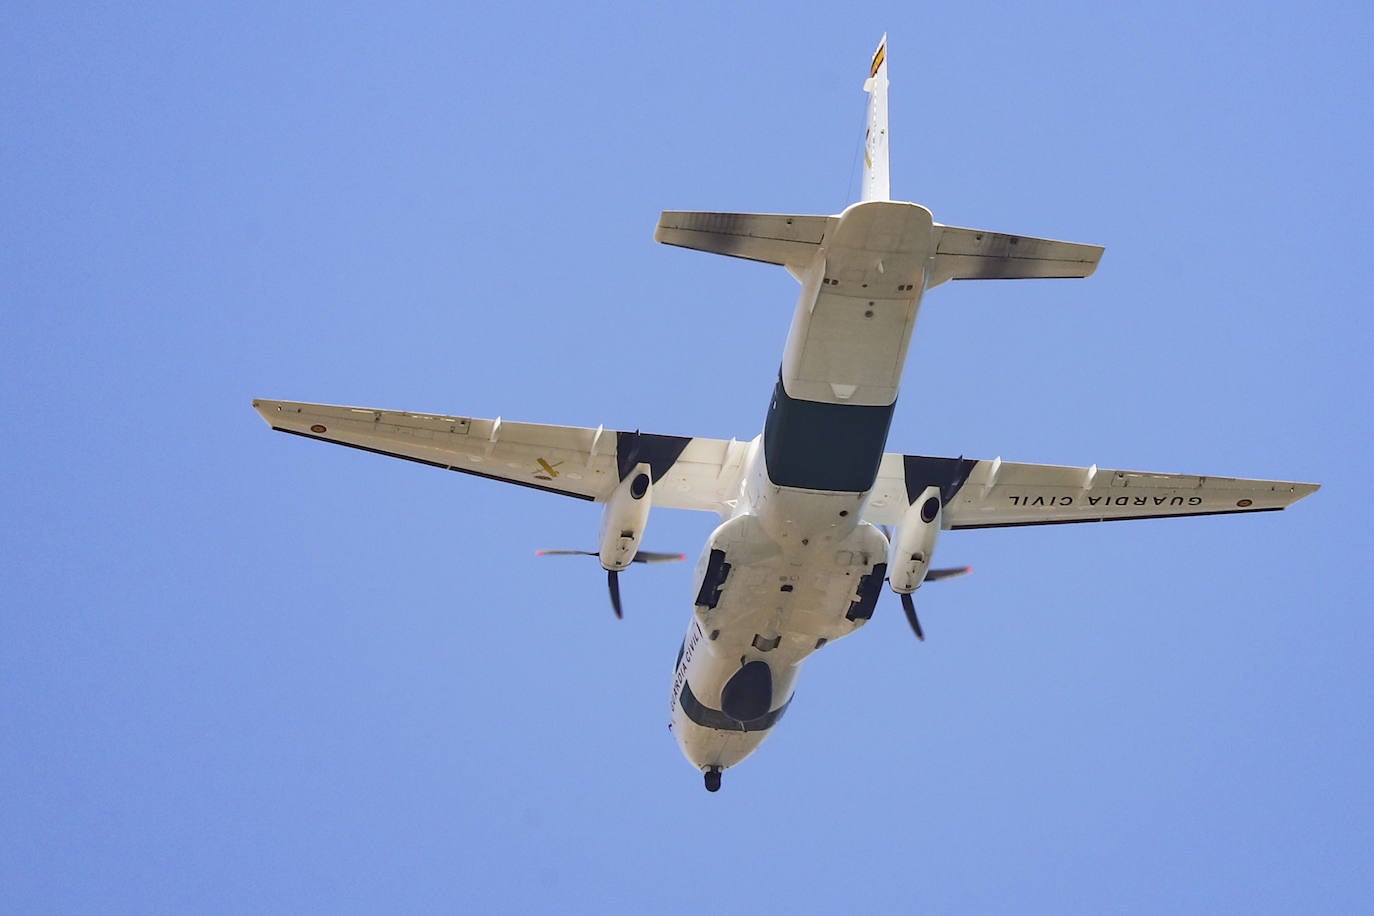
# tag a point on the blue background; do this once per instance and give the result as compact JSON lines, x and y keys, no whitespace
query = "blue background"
{"x":242,"y":672}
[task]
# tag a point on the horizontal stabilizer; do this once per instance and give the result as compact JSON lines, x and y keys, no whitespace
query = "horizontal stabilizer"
{"x":975,"y":254}
{"x":768,"y":237}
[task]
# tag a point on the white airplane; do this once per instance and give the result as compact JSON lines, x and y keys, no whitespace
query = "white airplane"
{"x":803,"y":550}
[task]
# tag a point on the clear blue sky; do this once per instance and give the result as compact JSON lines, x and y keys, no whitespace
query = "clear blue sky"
{"x":243,"y":672}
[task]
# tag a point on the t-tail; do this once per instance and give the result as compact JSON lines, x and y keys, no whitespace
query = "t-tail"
{"x":799,"y":242}
{"x":876,"y":185}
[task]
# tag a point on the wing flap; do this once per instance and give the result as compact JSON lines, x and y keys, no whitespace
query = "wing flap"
{"x":582,"y":462}
{"x":996,"y":494}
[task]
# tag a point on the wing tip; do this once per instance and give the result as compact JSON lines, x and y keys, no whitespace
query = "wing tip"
{"x":1302,"y":491}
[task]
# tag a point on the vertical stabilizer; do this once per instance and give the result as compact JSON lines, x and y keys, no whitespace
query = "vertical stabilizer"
{"x":875,"y":182}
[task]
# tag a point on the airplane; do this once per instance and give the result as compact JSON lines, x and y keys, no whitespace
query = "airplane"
{"x":816,"y":516}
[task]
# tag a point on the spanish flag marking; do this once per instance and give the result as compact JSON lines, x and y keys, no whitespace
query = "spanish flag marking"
{"x":878,"y":57}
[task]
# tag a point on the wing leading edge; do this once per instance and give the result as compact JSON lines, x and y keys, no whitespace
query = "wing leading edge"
{"x":1003,"y":494}
{"x":585,"y":463}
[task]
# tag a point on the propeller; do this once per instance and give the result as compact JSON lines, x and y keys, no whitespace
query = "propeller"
{"x":612,"y":575}
{"x":935,"y":575}
{"x":932,"y":575}
{"x":909,"y":606}
{"x":613,"y":583}
{"x":909,"y":602}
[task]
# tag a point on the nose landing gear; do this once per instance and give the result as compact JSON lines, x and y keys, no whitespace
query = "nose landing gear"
{"x":712,"y":779}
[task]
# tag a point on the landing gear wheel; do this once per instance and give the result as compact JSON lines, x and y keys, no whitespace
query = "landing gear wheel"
{"x":713,"y":779}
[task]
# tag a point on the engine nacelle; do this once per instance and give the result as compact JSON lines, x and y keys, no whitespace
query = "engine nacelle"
{"x":912,"y":547}
{"x":626,"y":515}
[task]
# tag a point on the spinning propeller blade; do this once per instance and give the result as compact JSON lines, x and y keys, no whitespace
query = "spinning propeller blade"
{"x":613,"y":582}
{"x":909,"y":602}
{"x":613,"y":576}
{"x":935,"y":575}
{"x":648,"y":556}
{"x":909,"y":606}
{"x":643,"y":556}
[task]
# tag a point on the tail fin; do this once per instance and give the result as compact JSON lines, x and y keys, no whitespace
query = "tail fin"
{"x":875,"y":181}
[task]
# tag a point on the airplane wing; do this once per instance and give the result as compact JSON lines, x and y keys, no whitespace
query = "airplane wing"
{"x":1003,"y":494}
{"x":688,"y":473}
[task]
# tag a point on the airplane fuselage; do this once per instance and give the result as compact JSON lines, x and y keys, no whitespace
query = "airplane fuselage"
{"x":794,"y":567}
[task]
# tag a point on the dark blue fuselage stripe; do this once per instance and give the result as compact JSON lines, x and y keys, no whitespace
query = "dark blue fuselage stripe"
{"x":815,"y":446}
{"x":707,"y":717}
